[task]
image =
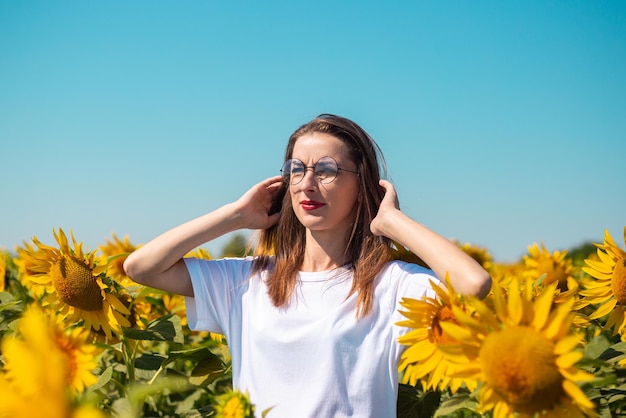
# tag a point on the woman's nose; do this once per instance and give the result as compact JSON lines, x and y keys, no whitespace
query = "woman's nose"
{"x":309,"y":181}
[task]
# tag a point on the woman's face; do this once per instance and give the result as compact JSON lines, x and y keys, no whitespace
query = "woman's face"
{"x":324,"y":207}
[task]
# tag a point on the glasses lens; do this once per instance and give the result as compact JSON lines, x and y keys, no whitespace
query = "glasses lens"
{"x":326,"y":170}
{"x":293,"y":171}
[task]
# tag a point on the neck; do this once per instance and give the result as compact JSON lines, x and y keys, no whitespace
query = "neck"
{"x":322,"y":255}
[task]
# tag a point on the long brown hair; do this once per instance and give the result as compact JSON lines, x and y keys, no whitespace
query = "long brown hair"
{"x":366,"y":252}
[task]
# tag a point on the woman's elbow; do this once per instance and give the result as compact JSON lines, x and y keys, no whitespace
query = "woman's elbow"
{"x":481,"y":284}
{"x":132,"y":268}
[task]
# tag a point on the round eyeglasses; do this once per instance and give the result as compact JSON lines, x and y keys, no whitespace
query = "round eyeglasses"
{"x":325,"y":170}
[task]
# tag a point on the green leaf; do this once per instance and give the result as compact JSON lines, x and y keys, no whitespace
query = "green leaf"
{"x":7,"y":301}
{"x":413,"y":403}
{"x":207,"y":371}
{"x":615,"y":353}
{"x":602,"y":382}
{"x":455,"y":404}
{"x":541,"y":278}
{"x":596,"y":347}
{"x":103,"y":380}
{"x":149,"y":361}
{"x":194,"y":354}
{"x":111,"y":258}
{"x":605,"y":413}
{"x":165,"y":328}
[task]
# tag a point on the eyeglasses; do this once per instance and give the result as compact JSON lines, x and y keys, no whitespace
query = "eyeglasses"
{"x":325,"y":170}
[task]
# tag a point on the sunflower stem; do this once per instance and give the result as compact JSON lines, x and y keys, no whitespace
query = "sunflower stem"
{"x":157,"y":374}
{"x":129,"y":359}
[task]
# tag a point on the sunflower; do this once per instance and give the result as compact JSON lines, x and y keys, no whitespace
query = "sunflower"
{"x":233,"y":404}
{"x":87,"y":411}
{"x":114,"y":254}
{"x":480,"y":254}
{"x":422,"y":360}
{"x":505,"y":272}
{"x":26,"y":258}
{"x":71,"y":343}
{"x":43,"y":368}
{"x":608,"y":290}
{"x":200,"y":253}
{"x":521,"y":353}
{"x":175,"y":304}
{"x":554,"y":267}
{"x":76,"y":287}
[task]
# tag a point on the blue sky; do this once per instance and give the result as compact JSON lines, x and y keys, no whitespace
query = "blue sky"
{"x":502,"y":123}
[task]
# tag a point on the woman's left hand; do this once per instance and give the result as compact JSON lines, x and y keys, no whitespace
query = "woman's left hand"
{"x":388,"y":207}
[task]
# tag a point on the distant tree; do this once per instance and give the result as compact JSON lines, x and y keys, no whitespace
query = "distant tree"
{"x":236,"y":247}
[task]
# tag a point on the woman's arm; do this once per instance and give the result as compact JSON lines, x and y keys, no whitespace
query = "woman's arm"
{"x":467,"y":276}
{"x":159,"y":263}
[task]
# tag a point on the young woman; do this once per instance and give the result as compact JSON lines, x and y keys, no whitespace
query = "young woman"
{"x":311,"y":319}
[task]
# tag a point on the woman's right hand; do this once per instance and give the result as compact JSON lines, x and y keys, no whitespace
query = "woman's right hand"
{"x":159,"y":263}
{"x":254,"y":206}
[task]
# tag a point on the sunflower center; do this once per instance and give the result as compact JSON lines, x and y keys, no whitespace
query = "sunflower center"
{"x":555,"y":272}
{"x":519,"y":364}
{"x":618,"y":281}
{"x":75,"y":284}
{"x":443,"y":315}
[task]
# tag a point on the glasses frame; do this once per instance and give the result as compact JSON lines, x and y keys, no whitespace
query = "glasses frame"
{"x":286,"y":177}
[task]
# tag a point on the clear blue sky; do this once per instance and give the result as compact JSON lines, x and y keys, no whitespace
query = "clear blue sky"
{"x":503,"y":123}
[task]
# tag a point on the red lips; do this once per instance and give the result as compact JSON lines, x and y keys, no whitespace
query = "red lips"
{"x":311,"y":204}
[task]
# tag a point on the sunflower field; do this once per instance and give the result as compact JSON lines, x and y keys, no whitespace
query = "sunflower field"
{"x":79,"y":339}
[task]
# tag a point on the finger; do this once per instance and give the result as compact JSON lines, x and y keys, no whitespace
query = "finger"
{"x":390,"y":193}
{"x":273,"y":179}
{"x":273,"y":183}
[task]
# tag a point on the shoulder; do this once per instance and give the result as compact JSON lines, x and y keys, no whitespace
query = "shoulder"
{"x":406,"y":279}
{"x":398,"y":268}
{"x":234,"y":261}
{"x":227,"y":267}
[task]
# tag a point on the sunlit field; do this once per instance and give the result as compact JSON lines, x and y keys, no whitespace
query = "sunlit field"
{"x":80,"y":339}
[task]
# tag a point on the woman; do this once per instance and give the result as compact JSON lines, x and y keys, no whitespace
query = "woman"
{"x":310,"y":320}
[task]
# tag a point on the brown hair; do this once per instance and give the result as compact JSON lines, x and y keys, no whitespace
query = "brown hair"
{"x":366,"y":252}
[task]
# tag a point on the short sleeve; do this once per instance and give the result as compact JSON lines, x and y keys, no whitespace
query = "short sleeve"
{"x":413,"y":280}
{"x":217,"y":287}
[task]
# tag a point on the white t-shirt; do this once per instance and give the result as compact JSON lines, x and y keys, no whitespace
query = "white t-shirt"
{"x":312,"y":358}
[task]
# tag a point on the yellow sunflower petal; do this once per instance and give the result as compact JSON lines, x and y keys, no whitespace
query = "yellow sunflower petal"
{"x":577,"y":394}
{"x":514,"y":306}
{"x":100,"y":269}
{"x":501,"y":410}
{"x":600,"y":266}
{"x":611,"y":247}
{"x":604,"y":309}
{"x":542,"y":306}
{"x":568,"y":360}
{"x":117,"y":304}
{"x":419,"y":351}
{"x":560,"y":320}
{"x":457,"y":332}
{"x":577,"y":375}
{"x":606,"y":258}
{"x":616,"y":319}
{"x":596,"y":274}
{"x":500,"y":303}
{"x":567,"y":344}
